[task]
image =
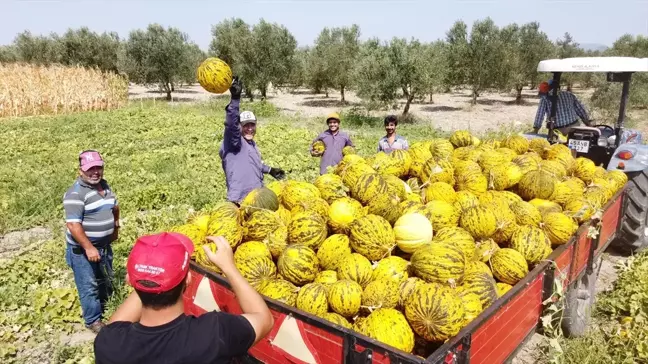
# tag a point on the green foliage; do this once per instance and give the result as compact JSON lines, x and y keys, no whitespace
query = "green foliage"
{"x":476,"y":58}
{"x":161,"y":56}
{"x":261,"y":55}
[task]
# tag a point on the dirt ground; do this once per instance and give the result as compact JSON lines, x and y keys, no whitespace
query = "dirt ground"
{"x":450,"y":111}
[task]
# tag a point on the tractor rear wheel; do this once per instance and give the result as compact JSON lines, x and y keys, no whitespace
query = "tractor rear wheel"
{"x":632,"y":236}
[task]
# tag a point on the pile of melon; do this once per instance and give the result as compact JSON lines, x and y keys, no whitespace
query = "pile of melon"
{"x":409,"y":247}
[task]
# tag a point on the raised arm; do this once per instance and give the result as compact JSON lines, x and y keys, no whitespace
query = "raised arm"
{"x":232,"y":134}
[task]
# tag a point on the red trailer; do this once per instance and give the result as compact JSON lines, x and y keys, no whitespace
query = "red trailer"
{"x":493,"y":337}
{"x":500,"y":330}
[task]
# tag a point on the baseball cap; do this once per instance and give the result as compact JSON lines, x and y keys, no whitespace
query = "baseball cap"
{"x":89,"y":159}
{"x":332,"y":115}
{"x":161,"y":259}
{"x":247,"y":117}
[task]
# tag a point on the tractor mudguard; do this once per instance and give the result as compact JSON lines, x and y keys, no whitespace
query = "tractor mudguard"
{"x":637,"y":162}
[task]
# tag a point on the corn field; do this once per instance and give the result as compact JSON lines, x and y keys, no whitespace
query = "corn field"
{"x":36,"y":90}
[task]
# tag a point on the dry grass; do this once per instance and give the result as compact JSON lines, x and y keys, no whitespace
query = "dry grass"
{"x":36,"y":90}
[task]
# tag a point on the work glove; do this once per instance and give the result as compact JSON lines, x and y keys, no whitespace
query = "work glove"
{"x":277,"y":173}
{"x":236,"y":88}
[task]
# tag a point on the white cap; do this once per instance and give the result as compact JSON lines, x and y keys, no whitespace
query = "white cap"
{"x":247,"y":117}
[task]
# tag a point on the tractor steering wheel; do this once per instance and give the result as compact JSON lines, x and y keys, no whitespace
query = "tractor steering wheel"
{"x":604,"y":126}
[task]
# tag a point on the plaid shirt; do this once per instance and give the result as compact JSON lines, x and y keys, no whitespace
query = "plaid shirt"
{"x":567,"y":110}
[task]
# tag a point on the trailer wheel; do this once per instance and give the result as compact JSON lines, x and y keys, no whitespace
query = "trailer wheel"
{"x":578,"y":302}
{"x":633,"y":232}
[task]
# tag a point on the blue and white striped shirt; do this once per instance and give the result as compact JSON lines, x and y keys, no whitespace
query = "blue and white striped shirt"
{"x":568,"y":110}
{"x":399,"y":143}
{"x":83,"y":204}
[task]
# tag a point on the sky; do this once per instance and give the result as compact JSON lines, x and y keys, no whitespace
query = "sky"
{"x":592,"y":21}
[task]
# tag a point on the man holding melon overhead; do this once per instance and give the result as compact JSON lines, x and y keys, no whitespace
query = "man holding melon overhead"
{"x":239,"y":154}
{"x":329,"y":143}
{"x":392,"y":141}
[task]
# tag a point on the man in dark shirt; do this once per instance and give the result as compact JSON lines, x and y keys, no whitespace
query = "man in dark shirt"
{"x":151,"y":326}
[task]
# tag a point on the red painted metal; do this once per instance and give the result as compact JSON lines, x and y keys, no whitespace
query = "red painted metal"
{"x":501,"y":334}
{"x":492,"y":337}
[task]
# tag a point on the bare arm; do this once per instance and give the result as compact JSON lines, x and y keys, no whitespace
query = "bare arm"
{"x":130,"y":310}
{"x":79,"y":235}
{"x":254,"y":307}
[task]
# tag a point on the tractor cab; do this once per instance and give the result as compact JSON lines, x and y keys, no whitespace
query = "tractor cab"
{"x":604,"y":144}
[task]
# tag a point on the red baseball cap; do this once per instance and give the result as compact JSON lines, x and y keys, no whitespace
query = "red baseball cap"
{"x":89,"y":159}
{"x":160,"y":258}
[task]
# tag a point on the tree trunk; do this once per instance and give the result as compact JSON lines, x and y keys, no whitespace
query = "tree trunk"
{"x":431,"y":99}
{"x":249,"y":94}
{"x":264,"y":91}
{"x":342,"y":94}
{"x":474,"y":97}
{"x":172,"y":87}
{"x":326,"y":93}
{"x":407,"y":104}
{"x":168,"y":97}
{"x":518,"y":98}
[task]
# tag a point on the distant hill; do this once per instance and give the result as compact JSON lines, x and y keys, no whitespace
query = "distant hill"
{"x":594,"y":47}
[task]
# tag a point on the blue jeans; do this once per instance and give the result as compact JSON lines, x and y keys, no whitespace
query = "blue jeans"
{"x":93,"y":280}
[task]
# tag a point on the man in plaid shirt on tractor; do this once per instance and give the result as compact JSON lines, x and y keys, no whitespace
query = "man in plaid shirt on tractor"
{"x":568,"y":110}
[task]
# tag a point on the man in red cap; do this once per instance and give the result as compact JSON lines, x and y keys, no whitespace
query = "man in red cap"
{"x":151,"y":326}
{"x":568,"y":110}
{"x":92,"y":221}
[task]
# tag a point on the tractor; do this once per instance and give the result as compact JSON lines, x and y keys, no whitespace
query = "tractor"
{"x":613,"y":148}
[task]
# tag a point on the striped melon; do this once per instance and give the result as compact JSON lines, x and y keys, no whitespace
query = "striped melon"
{"x":277,"y":241}
{"x":440,"y":191}
{"x":214,"y":75}
{"x":368,"y":186}
{"x":284,"y":215}
{"x":372,"y":236}
{"x":404,"y":161}
{"x":472,"y":306}
{"x":531,"y":242}
{"x":259,"y":224}
{"x":441,"y":149}
{"x":434,"y":312}
{"x":331,"y":187}
{"x":538,"y":145}
{"x":385,"y":205}
{"x":298,"y":264}
{"x":484,"y":249}
{"x":439,"y":263}
{"x":526,"y":214}
{"x":396,"y":186}
{"x":465,"y":167}
{"x":479,"y":221}
{"x":509,"y":265}
{"x":312,"y":299}
{"x":316,"y":205}
{"x":579,"y":209}
{"x":389,"y":326}
{"x":307,"y":228}
{"x":441,"y":171}
{"x":458,"y":237}
{"x":536,"y":184}
{"x":251,"y":249}
{"x":280,"y":290}
{"x":261,"y":198}
{"x":517,"y":143}
{"x":472,"y":181}
{"x":194,"y":233}
{"x":351,"y":172}
{"x":406,"y":287}
{"x":229,"y":228}
{"x":490,"y":160}
{"x":256,"y":270}
{"x":277,"y":187}
{"x":476,"y":266}
{"x":343,"y":212}
{"x":553,"y":167}
{"x":545,"y":206}
{"x":481,"y":284}
{"x":441,"y":214}
{"x":356,"y":268}
{"x":394,"y":268}
{"x":503,"y":176}
{"x":345,"y":297}
{"x":502,"y":288}
{"x":558,"y":227}
{"x":319,"y":147}
{"x":461,"y":138}
{"x":584,"y":169}
{"x":326,"y":277}
{"x":336,"y":319}
{"x":465,"y":200}
{"x":224,"y":210}
{"x":203,"y":260}
{"x":617,"y":179}
{"x":411,"y":231}
{"x":381,"y":293}
{"x":527,"y":162}
{"x":297,"y":191}
{"x":333,"y":250}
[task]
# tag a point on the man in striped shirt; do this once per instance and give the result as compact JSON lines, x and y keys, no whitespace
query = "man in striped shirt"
{"x":92,"y":219}
{"x":568,"y":110}
{"x":391,"y":141}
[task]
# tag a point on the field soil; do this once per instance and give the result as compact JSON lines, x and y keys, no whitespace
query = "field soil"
{"x":451,"y":111}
